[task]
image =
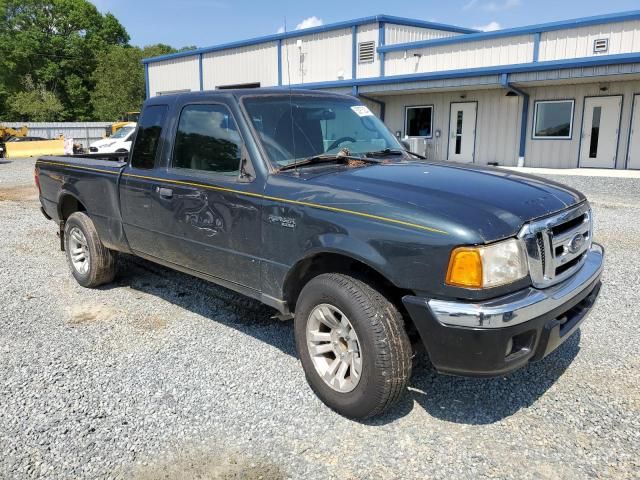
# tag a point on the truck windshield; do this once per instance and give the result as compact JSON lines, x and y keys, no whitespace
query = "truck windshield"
{"x":123,"y":132}
{"x":297,"y":127}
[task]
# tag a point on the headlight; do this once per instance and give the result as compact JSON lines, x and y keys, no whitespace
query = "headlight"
{"x":488,"y":266}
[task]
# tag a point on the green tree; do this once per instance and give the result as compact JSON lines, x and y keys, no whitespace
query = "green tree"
{"x":119,"y":80}
{"x":35,"y":103}
{"x":57,"y":43}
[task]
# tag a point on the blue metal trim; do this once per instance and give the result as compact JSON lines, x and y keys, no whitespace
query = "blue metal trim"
{"x":524,"y":119}
{"x":200,"y":72}
{"x":623,"y":58}
{"x":536,"y":46}
{"x":510,"y":32}
{"x":354,"y":52}
{"x":381,"y":40}
{"x":310,"y":31}
{"x":354,"y":91}
{"x":279,"y":62}
{"x":146,"y":80}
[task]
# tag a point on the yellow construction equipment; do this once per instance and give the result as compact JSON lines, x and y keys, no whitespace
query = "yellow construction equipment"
{"x":126,"y":117}
{"x":34,"y":148}
{"x":8,"y":132}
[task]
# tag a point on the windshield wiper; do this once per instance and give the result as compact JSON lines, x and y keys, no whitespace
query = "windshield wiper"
{"x":324,"y":158}
{"x":385,"y":152}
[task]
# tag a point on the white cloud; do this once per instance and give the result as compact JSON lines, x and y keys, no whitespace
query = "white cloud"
{"x":312,"y":21}
{"x":492,"y":6}
{"x":489,"y":27}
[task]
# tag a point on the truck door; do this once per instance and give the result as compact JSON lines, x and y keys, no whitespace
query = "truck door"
{"x":136,"y":190}
{"x":207,"y":214}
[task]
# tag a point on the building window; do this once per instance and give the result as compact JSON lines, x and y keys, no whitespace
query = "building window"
{"x":419,"y":121}
{"x":553,"y":119}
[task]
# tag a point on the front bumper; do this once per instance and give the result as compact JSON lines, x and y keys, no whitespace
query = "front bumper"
{"x":501,"y":335}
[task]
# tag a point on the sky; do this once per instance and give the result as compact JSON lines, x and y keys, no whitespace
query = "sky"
{"x":204,"y":23}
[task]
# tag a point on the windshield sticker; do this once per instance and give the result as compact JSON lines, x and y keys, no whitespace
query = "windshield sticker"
{"x":362,"y":111}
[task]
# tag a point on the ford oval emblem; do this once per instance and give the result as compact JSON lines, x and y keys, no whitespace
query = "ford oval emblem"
{"x":576,"y":243}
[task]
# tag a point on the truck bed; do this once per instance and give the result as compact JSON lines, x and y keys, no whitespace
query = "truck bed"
{"x":93,"y":181}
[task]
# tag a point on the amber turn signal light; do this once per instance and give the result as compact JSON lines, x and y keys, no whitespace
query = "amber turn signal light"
{"x":465,"y":268}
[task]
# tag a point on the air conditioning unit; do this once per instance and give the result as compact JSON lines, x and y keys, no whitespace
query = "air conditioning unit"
{"x":418,"y":145}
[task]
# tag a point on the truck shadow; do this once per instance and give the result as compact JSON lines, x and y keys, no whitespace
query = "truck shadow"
{"x":483,"y":401}
{"x":206,"y":299}
{"x":472,"y":401}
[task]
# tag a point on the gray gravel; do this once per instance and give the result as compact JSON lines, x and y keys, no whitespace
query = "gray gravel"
{"x":165,"y":376}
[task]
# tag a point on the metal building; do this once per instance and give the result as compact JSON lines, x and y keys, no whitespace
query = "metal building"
{"x":560,"y":95}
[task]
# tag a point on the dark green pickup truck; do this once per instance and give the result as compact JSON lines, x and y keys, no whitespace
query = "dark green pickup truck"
{"x":308,"y":203}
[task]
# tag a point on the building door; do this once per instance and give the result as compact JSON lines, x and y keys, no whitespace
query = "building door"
{"x":462,"y":132}
{"x":633,"y":157}
{"x":600,"y":127}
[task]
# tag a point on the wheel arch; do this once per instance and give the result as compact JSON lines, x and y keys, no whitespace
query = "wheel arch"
{"x":69,"y":203}
{"x":336,"y":261}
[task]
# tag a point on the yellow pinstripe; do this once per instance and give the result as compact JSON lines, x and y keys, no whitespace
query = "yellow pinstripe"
{"x":257,"y":195}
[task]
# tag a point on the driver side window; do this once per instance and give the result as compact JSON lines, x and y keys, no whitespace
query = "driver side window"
{"x":207,"y":140}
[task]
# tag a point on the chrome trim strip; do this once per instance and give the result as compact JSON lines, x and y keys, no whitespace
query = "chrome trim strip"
{"x":521,"y":306}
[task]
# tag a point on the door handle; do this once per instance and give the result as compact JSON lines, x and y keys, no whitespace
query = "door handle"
{"x":164,"y":192}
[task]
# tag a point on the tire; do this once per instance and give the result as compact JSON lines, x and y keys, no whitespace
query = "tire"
{"x":384,"y":347}
{"x":100,"y":265}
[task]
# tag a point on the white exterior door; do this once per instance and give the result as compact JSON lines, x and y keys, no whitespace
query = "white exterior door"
{"x":600,"y":126}
{"x":633,"y":158}
{"x":462,"y":132}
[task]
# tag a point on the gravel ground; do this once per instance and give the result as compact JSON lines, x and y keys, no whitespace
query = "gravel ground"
{"x":161,"y":375}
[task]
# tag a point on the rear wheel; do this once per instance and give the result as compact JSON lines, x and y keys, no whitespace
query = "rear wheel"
{"x":351,"y":340}
{"x":91,"y":263}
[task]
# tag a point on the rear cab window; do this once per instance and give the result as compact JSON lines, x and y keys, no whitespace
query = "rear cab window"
{"x":147,"y":141}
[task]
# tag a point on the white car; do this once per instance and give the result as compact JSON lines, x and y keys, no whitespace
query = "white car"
{"x":116,"y":143}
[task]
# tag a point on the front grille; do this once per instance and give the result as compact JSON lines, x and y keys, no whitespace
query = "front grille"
{"x":557,"y":246}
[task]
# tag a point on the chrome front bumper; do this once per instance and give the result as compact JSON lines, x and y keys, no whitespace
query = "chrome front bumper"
{"x":521,"y":306}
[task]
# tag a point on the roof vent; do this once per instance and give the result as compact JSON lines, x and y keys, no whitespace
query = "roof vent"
{"x":366,"y":52}
{"x":600,"y":45}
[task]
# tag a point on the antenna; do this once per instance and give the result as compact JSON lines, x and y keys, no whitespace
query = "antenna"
{"x":293,"y":137}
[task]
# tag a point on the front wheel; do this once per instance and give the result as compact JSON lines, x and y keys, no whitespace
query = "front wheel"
{"x":91,"y":263}
{"x":353,"y":346}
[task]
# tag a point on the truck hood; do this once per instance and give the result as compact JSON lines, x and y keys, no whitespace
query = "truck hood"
{"x":103,"y":142}
{"x":491,"y":203}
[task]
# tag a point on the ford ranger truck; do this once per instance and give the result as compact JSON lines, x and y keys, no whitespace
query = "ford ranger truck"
{"x":306,"y":202}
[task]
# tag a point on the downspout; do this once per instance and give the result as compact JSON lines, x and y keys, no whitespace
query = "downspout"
{"x":380,"y":103}
{"x":504,"y":81}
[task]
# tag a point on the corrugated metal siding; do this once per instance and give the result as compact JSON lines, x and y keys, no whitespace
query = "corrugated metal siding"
{"x":624,"y":37}
{"x":403,"y":33}
{"x":81,"y":132}
{"x":326,"y":57}
{"x":445,"y":83}
{"x":368,"y":33}
{"x":497,"y":130}
{"x":173,"y":75}
{"x":498,"y":51}
{"x":564,"y":153}
{"x":571,"y":74}
{"x":255,"y":63}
